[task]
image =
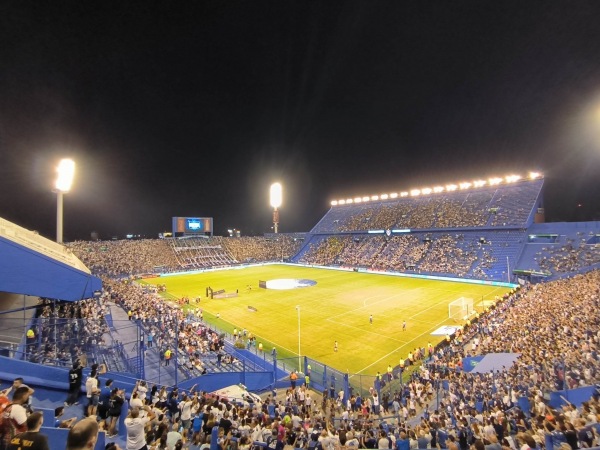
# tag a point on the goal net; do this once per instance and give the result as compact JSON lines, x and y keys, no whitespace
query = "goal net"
{"x":460,"y":309}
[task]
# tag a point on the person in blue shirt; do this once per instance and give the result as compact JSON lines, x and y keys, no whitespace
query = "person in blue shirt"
{"x":403,"y":443}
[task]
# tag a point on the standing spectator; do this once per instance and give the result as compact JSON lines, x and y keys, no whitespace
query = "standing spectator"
{"x":293,"y":378}
{"x":92,"y":393}
{"x":31,"y":439}
{"x":75,"y":378}
{"x":103,"y":401}
{"x":114,"y":410}
{"x":14,"y":416}
{"x":136,"y":437}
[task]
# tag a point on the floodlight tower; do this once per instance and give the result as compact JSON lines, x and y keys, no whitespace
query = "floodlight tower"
{"x":276,"y":203}
{"x":66,"y":173}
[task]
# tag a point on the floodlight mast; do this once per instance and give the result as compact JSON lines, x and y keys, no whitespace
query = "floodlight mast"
{"x":66,"y":173}
{"x":275,"y":195}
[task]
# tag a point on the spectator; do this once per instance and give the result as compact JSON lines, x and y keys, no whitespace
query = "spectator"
{"x":136,"y":437}
{"x":31,"y":439}
{"x":83,"y":435}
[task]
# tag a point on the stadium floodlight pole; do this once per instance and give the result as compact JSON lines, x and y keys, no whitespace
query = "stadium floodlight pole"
{"x":66,"y":173}
{"x":299,"y":357}
{"x":275,"y":194}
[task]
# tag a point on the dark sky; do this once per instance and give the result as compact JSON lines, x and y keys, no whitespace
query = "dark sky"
{"x":195,"y":108}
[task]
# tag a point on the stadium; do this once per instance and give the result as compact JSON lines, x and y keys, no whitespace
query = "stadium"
{"x":410,"y":313}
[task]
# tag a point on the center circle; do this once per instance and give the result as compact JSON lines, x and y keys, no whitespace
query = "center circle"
{"x":289,"y":283}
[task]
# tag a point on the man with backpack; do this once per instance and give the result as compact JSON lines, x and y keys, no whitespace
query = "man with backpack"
{"x":13,"y":418}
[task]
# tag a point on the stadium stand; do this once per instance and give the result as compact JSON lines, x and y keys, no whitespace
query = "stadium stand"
{"x":483,"y":234}
{"x":494,"y":206}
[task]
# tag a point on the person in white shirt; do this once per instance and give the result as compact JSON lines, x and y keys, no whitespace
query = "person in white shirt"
{"x":185,"y":406}
{"x":136,"y":402}
{"x":136,"y":436}
{"x":142,"y":390}
{"x":92,"y":394}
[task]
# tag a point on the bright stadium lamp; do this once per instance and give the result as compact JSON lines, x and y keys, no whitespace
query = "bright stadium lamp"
{"x":66,"y":173}
{"x":276,"y":196}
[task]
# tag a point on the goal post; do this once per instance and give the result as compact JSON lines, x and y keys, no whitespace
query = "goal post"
{"x":460,"y":309}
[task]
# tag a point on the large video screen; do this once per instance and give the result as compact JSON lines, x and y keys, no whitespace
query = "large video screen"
{"x":183,"y":226}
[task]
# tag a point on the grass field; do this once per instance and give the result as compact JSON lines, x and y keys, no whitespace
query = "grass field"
{"x":336,"y":308}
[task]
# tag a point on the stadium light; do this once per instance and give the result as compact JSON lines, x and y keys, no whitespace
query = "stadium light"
{"x":477,"y":183}
{"x":276,"y":203}
{"x":66,"y":173}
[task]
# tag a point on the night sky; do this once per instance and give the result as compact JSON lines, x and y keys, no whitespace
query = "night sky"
{"x":195,"y":108}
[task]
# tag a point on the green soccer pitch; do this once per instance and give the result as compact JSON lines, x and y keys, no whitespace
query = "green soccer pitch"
{"x":337,"y":308}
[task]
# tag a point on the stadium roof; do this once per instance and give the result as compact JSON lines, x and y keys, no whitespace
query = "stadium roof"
{"x":33,"y":265}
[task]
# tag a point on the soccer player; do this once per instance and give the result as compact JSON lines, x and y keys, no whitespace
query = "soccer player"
{"x":335,"y":346}
{"x":404,"y":325}
{"x":371,"y":319}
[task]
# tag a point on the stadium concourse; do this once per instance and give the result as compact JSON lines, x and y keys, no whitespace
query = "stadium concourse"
{"x":546,"y":399}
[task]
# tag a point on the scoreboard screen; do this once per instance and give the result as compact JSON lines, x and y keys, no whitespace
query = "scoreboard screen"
{"x":189,"y":226}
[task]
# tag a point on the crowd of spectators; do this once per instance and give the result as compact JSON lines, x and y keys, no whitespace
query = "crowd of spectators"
{"x":452,"y":254}
{"x":573,"y":256}
{"x":167,"y":327}
{"x":64,"y":331}
{"x":261,"y":249}
{"x":125,"y":258}
{"x":499,"y":206}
